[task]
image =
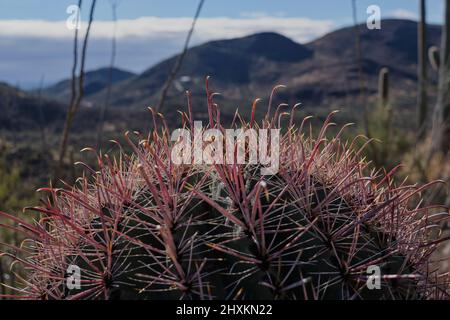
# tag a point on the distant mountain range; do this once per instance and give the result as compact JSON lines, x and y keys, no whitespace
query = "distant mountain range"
{"x":322,"y":74}
{"x":22,"y":110}
{"x":94,"y":81}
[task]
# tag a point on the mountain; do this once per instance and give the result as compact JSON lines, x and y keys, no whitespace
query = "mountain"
{"x":395,"y":36}
{"x":323,"y":72}
{"x":238,"y":62}
{"x":28,"y":116}
{"x":332,"y":76}
{"x":22,"y":110}
{"x":94,"y":81}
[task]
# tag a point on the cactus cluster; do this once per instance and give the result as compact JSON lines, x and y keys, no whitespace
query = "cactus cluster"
{"x":141,"y":227}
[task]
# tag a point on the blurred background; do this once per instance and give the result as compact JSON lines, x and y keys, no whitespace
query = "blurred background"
{"x":77,"y":74}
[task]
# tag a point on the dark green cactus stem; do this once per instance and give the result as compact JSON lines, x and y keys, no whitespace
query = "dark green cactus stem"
{"x":383,"y":87}
{"x":422,"y":70}
{"x":441,"y":116}
{"x":383,"y":118}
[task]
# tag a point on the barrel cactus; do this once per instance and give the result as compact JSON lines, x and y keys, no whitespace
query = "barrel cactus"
{"x":142,"y":227}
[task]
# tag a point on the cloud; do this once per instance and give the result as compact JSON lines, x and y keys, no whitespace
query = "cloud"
{"x":298,"y":28}
{"x":32,"y":48}
{"x":253,"y":14}
{"x":403,"y":14}
{"x":260,"y":14}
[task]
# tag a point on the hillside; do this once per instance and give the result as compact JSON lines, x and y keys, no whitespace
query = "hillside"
{"x":26,"y":111}
{"x":322,"y":72}
{"x":322,"y":75}
{"x":95,"y":81}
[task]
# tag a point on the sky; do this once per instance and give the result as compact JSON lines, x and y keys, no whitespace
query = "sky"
{"x":35,"y":42}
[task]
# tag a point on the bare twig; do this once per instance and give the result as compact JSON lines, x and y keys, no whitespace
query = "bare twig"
{"x":441,"y":116}
{"x":179,"y":61}
{"x":422,"y":70}
{"x":75,"y":98}
{"x":362,"y":86}
{"x":73,"y":91}
{"x":42,"y":123}
{"x":110,"y":75}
